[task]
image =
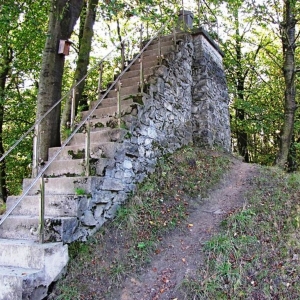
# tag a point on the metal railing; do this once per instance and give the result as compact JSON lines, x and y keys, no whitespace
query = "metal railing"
{"x":39,"y":173}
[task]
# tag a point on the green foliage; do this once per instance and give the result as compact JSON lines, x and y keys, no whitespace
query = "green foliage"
{"x":22,"y":27}
{"x":80,"y":191}
{"x":2,"y":208}
{"x":256,"y":253}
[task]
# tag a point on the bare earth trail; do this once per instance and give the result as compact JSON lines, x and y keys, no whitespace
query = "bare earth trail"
{"x":180,"y":254}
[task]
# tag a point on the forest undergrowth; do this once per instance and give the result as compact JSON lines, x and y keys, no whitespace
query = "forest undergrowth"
{"x":254,"y":255}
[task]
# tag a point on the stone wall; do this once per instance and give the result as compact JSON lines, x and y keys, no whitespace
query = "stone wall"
{"x":211,"y":124}
{"x":186,"y":100}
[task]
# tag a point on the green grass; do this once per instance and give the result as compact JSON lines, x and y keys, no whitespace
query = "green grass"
{"x":2,"y":208}
{"x":127,"y":244}
{"x":256,"y":255}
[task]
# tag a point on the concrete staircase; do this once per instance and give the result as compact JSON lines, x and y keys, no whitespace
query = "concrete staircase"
{"x":27,"y":268}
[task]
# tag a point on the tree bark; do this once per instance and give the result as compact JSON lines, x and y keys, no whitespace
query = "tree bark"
{"x":4,"y":71}
{"x":288,"y":29}
{"x":62,"y":19}
{"x":241,"y":134}
{"x":83,"y":59}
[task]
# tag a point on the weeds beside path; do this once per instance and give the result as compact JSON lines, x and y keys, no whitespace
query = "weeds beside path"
{"x":156,"y":241}
{"x":180,"y":255}
{"x":203,"y":226}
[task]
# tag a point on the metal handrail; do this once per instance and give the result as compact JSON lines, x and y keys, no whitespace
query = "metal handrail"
{"x":50,"y":161}
{"x":59,"y":101}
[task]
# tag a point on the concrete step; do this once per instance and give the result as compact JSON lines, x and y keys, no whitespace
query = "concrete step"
{"x":55,"y":205}
{"x":26,"y":227}
{"x":97,"y":150}
{"x":168,"y":38}
{"x":64,"y":185}
{"x":112,"y":102}
{"x":102,"y":112}
{"x":28,"y":268}
{"x":75,"y":167}
{"x":136,"y":72}
{"x":155,"y":52}
{"x":147,"y":64}
{"x":131,"y":81}
{"x":18,"y":283}
{"x":130,"y":90}
{"x":28,"y":254}
{"x":101,"y":135}
{"x":154,"y":44}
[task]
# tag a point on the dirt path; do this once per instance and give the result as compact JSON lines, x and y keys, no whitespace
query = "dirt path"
{"x":181,"y":255}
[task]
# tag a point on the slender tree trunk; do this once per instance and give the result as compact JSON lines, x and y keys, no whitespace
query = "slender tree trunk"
{"x":83,"y":59}
{"x":3,"y":190}
{"x":4,"y":71}
{"x":62,"y":19}
{"x":241,"y":134}
{"x":289,"y":45}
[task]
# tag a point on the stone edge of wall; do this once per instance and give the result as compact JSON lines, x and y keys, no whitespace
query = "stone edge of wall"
{"x":163,"y":124}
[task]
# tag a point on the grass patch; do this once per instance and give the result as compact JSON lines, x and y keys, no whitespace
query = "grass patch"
{"x":256,"y":255}
{"x":127,"y":244}
{"x":2,"y":208}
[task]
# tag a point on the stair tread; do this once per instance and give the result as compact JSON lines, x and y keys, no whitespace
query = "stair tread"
{"x":37,"y":217}
{"x":17,"y":271}
{"x":21,"y":242}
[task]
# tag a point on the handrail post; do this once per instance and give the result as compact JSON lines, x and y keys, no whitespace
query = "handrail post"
{"x":73,"y":107}
{"x":100,"y":80}
{"x":119,"y":84}
{"x":87,"y":148}
{"x":159,"y":50}
{"x":141,"y":61}
{"x":42,"y":210}
{"x":35,"y":158}
{"x":122,"y":56}
{"x":174,"y":35}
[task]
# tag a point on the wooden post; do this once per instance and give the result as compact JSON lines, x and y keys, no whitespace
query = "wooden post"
{"x":100,"y":80}
{"x":35,"y":158}
{"x":119,"y":84}
{"x":141,"y":61}
{"x":87,"y":148}
{"x":42,"y":210}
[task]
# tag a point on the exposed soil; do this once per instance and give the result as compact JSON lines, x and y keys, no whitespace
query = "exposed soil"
{"x":180,"y":254}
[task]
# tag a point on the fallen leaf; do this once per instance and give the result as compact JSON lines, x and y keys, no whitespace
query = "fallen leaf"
{"x":190,"y":225}
{"x":165,"y":280}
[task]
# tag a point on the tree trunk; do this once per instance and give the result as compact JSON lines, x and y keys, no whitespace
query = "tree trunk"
{"x":83,"y":59}
{"x":4,"y":71}
{"x":289,"y":45}
{"x":241,"y":134}
{"x":62,"y":19}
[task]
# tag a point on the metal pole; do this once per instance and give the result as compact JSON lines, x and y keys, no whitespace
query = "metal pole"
{"x":100,"y":80}
{"x":141,"y":61}
{"x":87,"y":148}
{"x":73,"y":107}
{"x":159,"y":50}
{"x":119,"y":84}
{"x":42,"y":210}
{"x":174,"y":35}
{"x":122,"y":56}
{"x":35,"y":158}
